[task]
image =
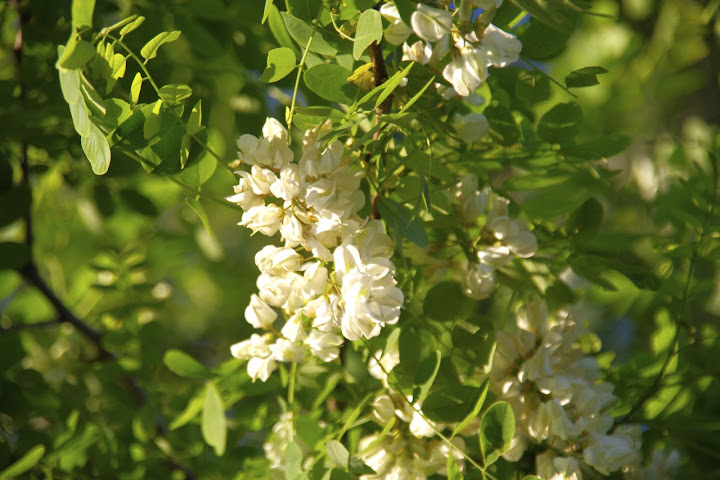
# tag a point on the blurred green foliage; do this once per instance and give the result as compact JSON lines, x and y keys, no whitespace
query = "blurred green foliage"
{"x":130,"y":255}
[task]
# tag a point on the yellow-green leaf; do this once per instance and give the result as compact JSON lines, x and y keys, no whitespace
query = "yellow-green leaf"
{"x":214,"y":423}
{"x":97,"y":150}
{"x":150,"y":49}
{"x":26,"y":462}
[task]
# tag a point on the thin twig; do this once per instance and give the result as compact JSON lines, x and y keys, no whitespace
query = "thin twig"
{"x":29,"y":326}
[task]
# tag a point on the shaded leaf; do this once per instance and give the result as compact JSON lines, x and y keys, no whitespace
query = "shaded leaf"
{"x":451,"y":404}
{"x":174,"y":93}
{"x":301,"y":33}
{"x":329,"y":81}
{"x":180,"y":363}
{"x":13,"y":256}
{"x":561,"y":123}
{"x":497,"y":429}
{"x":198,"y":208}
{"x":214,"y":423}
{"x":584,"y":77}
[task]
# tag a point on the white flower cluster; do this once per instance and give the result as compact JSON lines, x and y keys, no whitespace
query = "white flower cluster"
{"x":399,"y":455}
{"x":474,"y":47}
{"x":558,"y":400}
{"x":333,"y":278}
{"x":513,"y":237}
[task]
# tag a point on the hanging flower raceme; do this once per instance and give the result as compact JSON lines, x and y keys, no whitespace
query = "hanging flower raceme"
{"x":512,"y":237}
{"x":558,"y":399}
{"x":462,"y":49}
{"x":333,"y":278}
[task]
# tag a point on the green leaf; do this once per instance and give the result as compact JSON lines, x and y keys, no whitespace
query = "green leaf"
{"x":541,"y":42}
{"x":81,"y":120}
{"x":403,"y":222}
{"x":82,"y":13}
{"x":180,"y":363}
{"x":214,"y":423}
{"x":118,"y":66}
{"x":194,"y":124}
{"x":197,"y":207}
{"x":502,"y":121}
{"x":406,"y":8}
{"x":133,"y":25}
{"x":266,"y":10}
{"x":445,"y":302}
{"x":337,"y":452}
{"x":13,"y":256}
{"x":369,"y":30}
{"x":425,"y":375}
{"x":329,"y":81}
{"x":293,"y":461}
{"x":584,"y":77}
{"x":76,"y":53}
{"x":174,"y":93}
{"x":151,"y":48}
{"x":301,"y":33}
{"x":28,"y":461}
{"x":191,"y":411}
{"x":453,"y":471}
{"x":561,"y":123}
{"x":135,"y":87}
{"x":460,"y":426}
{"x":497,"y":429}
{"x":532,"y":87}
{"x":451,"y":404}
{"x":551,"y":12}
{"x":280,"y":62}
{"x":392,"y":83}
{"x":586,"y":219}
{"x":70,"y":85}
{"x":97,"y":150}
{"x":279,"y":31}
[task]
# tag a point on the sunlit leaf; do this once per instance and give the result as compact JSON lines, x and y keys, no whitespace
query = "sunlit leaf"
{"x":151,"y":48}
{"x":214,"y":423}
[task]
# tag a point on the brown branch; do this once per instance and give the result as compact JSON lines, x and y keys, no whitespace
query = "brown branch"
{"x":380,"y":75}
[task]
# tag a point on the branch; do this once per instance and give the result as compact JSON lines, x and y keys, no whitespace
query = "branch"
{"x":380,"y":75}
{"x":29,"y":326}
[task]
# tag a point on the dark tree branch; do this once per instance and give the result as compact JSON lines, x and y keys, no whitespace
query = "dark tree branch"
{"x":29,"y":326}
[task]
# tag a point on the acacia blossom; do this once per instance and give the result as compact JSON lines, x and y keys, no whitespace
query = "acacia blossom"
{"x":333,"y":279}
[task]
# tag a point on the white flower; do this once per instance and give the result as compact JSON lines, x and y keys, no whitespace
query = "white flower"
{"x":293,"y":329}
{"x":276,"y":290}
{"x":472,"y":201}
{"x":278,"y":261}
{"x":608,"y":453}
{"x":263,"y":218}
{"x":499,"y":209}
{"x":495,"y":256}
{"x":255,"y":346}
{"x":467,"y":71}
{"x":261,"y":368}
{"x":259,"y":179}
{"x":290,"y":183}
{"x":420,"y":427}
{"x":516,"y":235}
{"x":431,"y":24}
{"x":550,"y":467}
{"x":273,"y":129}
{"x":316,"y":276}
{"x":470,"y":127}
{"x":292,"y":230}
{"x":383,"y":409}
{"x":245,"y":196}
{"x":397,"y":32}
{"x":324,"y":345}
{"x":259,"y":314}
{"x":501,"y":48}
{"x":283,"y":350}
{"x":417,"y":52}
{"x":380,"y":363}
{"x":479,"y":281}
{"x":271,"y":151}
